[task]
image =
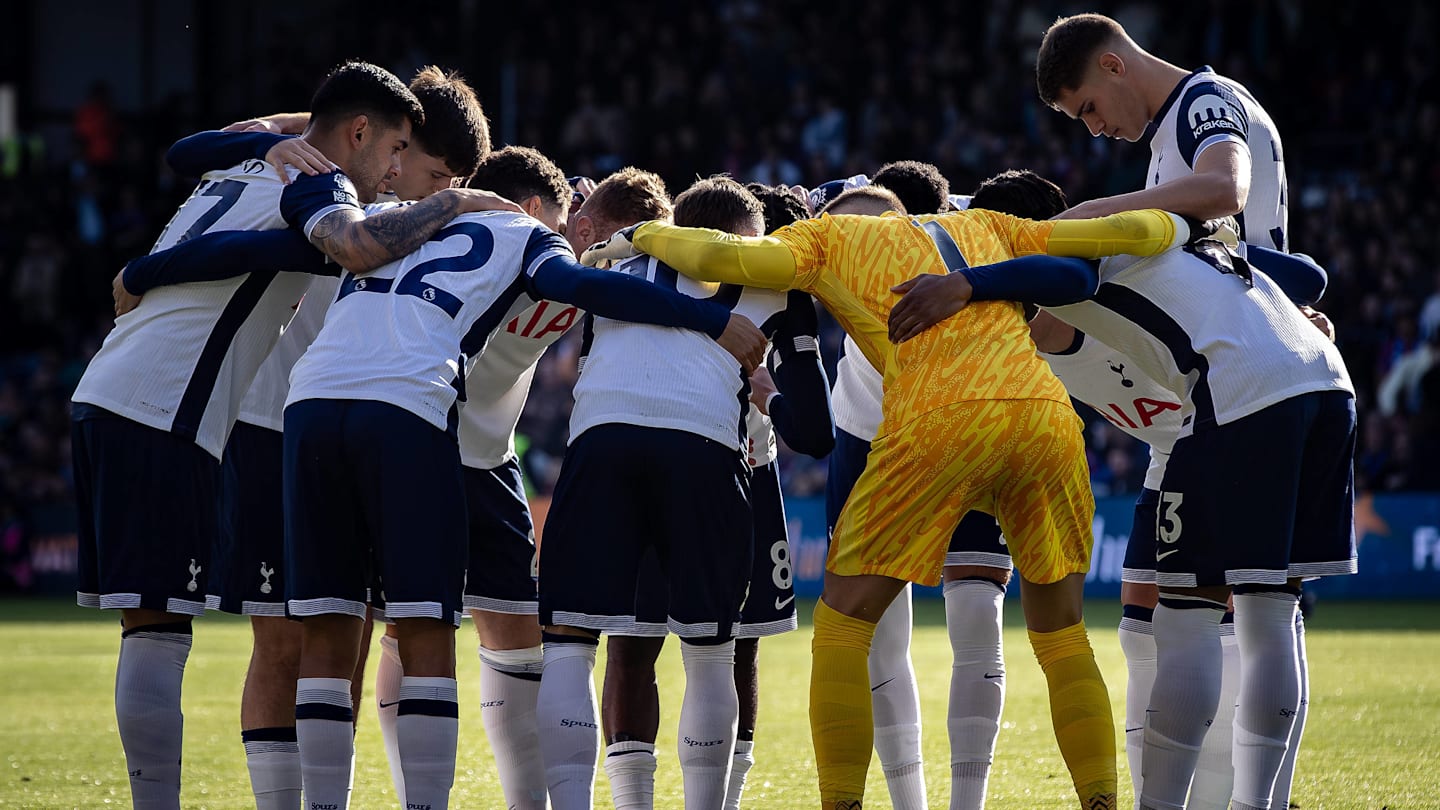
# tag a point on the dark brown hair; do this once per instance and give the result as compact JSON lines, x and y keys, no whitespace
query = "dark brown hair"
{"x":455,"y":129}
{"x":1069,"y":46}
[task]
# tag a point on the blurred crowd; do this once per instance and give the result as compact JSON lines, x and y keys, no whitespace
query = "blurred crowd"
{"x":791,"y":92}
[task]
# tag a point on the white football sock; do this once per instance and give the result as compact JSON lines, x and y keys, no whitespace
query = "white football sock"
{"x":273,"y":758}
{"x":325,"y":731}
{"x":895,"y":702}
{"x":1280,"y":797}
{"x":509,"y":689}
{"x":147,"y":711}
{"x":1183,"y":699}
{"x":1269,"y":691}
{"x":1214,"y":779}
{"x":566,"y":715}
{"x":740,"y":766}
{"x":388,"y":674}
{"x":709,"y":718}
{"x":977,"y":686}
{"x":427,"y":729}
{"x":1137,"y":641}
{"x":630,"y":765}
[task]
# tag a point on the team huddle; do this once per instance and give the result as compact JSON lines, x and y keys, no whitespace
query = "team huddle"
{"x":322,"y":363}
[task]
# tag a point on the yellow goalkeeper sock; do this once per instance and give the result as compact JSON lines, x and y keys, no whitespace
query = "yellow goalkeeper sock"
{"x":1080,"y":712}
{"x":841,"y":724}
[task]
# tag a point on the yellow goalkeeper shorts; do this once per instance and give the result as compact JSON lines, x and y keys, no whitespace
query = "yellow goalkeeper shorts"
{"x":1022,"y":461}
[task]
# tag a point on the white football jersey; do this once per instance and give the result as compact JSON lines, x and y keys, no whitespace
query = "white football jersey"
{"x":669,"y":378}
{"x":498,"y":381}
{"x":1225,"y":348}
{"x":1110,"y":382}
{"x":857,"y":394}
{"x":1206,"y":109}
{"x":183,"y":359}
{"x":264,"y":403}
{"x":402,"y":334}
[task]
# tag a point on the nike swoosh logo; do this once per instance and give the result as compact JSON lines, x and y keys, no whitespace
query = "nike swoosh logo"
{"x":879,"y":685}
{"x":1159,"y":557}
{"x":781,"y":603}
{"x":990,"y":677}
{"x":1138,"y":728}
{"x":382,"y":704}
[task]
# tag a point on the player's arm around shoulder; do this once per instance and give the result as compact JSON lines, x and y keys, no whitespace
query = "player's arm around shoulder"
{"x":361,"y":244}
{"x":1219,"y":186}
{"x":710,"y":255}
{"x":1146,"y":232}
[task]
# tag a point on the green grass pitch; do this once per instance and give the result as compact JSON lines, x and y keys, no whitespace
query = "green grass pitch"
{"x":1373,"y":739}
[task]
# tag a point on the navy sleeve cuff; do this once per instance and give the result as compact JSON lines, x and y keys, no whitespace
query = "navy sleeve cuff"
{"x":207,"y":151}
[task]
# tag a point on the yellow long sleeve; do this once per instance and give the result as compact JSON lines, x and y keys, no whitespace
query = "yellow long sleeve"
{"x":1146,"y":232}
{"x":709,"y":255}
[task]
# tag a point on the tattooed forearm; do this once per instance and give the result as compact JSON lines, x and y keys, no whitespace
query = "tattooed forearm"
{"x":361,"y":244}
{"x":335,"y":236}
{"x":400,"y":231}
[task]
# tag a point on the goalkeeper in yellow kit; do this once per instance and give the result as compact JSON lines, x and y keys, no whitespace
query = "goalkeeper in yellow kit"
{"x":972,"y":418}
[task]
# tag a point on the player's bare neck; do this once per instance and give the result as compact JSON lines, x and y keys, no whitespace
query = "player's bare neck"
{"x":1158,"y":79}
{"x":331,"y":144}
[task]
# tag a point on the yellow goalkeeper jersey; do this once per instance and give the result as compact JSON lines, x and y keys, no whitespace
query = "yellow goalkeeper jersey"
{"x":851,"y":262}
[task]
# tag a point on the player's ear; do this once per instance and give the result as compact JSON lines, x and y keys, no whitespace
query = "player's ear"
{"x":532,"y":205}
{"x":1112,"y":63}
{"x":583,"y":227}
{"x":359,"y":130}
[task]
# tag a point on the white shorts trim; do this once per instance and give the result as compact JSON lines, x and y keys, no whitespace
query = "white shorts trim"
{"x":696,"y":630}
{"x":1255,"y":576}
{"x":108,"y":601}
{"x":762,"y":629}
{"x":989,"y":559}
{"x":1325,"y":569}
{"x":420,"y":610}
{"x":510,"y":606}
{"x":188,"y":607}
{"x":328,"y":605}
{"x":1143,"y":576}
{"x":248,"y":608}
{"x":614,"y":625}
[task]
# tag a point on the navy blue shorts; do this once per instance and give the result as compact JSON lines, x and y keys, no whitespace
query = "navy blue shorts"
{"x":769,"y":608}
{"x":146,"y":514}
{"x":846,"y":462}
{"x":976,"y":541}
{"x":1139,"y":563}
{"x":1261,"y":499}
{"x":652,"y":601}
{"x":625,"y":489}
{"x":247,"y":573}
{"x":373,"y":493}
{"x":503,"y":573}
